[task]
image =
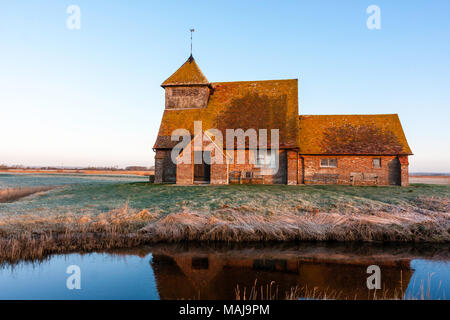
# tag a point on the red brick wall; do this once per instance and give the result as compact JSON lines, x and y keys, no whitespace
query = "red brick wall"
{"x":219,"y":171}
{"x":292,"y":167}
{"x":181,"y":97}
{"x":165,"y":169}
{"x":279,"y":177}
{"x":356,"y":170}
{"x":301,"y":169}
{"x":219,"y":174}
{"x":404,"y":170}
{"x":185,"y":174}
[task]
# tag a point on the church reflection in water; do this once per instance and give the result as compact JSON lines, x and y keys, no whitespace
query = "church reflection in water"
{"x":337,"y":271}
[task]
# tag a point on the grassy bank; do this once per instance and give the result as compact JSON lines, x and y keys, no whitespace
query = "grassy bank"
{"x":13,"y":194}
{"x":92,"y":217}
{"x":94,"y":199}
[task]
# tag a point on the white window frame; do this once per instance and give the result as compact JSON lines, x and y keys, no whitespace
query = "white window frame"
{"x":265,"y":159}
{"x":327,"y":165}
{"x":379,"y":163}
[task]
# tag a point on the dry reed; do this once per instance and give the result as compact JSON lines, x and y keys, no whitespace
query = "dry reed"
{"x":13,"y":194}
{"x":34,"y":236}
{"x":271,"y":292}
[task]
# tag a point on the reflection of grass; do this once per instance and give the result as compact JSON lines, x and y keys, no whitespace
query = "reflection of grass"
{"x":85,"y":217}
{"x":270,"y":292}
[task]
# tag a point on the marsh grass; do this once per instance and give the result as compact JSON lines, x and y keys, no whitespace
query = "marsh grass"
{"x":13,"y":194}
{"x":32,"y":237}
{"x":156,"y":213}
{"x":270,"y":291}
{"x":98,"y":198}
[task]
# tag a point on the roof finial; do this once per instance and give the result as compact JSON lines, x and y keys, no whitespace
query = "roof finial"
{"x":192,"y":30}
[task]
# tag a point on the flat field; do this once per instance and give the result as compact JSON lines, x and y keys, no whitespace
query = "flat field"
{"x":108,"y":213}
{"x":430,"y":179}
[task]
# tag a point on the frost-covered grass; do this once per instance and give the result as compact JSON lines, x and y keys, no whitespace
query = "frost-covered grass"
{"x":95,"y":198}
{"x":70,"y":186}
{"x":14,"y":194}
{"x":94,"y":216}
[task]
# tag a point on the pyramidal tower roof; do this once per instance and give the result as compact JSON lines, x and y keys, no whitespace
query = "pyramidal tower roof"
{"x":188,"y":74}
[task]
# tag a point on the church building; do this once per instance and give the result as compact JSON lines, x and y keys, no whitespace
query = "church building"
{"x":311,"y":149}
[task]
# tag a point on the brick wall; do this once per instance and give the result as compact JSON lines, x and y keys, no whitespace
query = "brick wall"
{"x":185,"y":174}
{"x":301,"y":169}
{"x":181,"y":97}
{"x":270,"y":177}
{"x":219,"y":174}
{"x":404,"y":171}
{"x":352,"y":170}
{"x":292,"y":167}
{"x":219,"y":171}
{"x":165,"y":169}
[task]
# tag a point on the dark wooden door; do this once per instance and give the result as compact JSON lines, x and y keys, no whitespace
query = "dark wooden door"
{"x":202,"y":171}
{"x":394,"y":170}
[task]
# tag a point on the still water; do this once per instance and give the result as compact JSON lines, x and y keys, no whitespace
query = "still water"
{"x":206,"y":272}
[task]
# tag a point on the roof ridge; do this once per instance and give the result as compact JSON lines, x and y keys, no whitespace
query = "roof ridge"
{"x":250,"y":81}
{"x":349,"y":114}
{"x":352,"y":134}
{"x":188,"y":74}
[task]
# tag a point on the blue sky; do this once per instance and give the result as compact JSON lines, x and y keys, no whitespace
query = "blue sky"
{"x":93,"y":97}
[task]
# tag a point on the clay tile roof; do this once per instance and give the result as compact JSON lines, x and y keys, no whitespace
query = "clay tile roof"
{"x":379,"y":134}
{"x":270,"y":104}
{"x":188,"y":74}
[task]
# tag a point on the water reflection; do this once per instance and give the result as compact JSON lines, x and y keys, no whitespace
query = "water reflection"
{"x":339,"y":271}
{"x":213,"y":272}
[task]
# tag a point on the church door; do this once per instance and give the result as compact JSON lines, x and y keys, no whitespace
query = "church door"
{"x":202,"y":171}
{"x":394,"y":170}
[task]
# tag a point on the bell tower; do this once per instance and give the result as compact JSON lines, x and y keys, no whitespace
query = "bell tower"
{"x":187,"y":88}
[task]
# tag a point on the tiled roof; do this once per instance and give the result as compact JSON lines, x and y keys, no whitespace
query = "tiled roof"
{"x":271,"y":104}
{"x":188,"y":74}
{"x":352,"y":134}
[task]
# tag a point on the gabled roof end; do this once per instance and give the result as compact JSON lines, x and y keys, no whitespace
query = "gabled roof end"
{"x":188,"y":74}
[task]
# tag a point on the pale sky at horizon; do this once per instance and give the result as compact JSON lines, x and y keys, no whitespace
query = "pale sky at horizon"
{"x":92,"y":97}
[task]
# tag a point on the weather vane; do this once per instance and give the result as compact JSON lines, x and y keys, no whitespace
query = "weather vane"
{"x":192,"y":30}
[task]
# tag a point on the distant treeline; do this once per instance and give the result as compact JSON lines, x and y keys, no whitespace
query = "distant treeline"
{"x":129,"y":168}
{"x":137,"y":168}
{"x":428,"y":174}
